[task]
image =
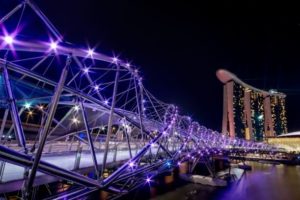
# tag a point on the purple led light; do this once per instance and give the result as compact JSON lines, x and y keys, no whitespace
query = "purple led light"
{"x":148,"y":180}
{"x":131,"y":164}
{"x":90,"y":52}
{"x":8,"y":39}
{"x":53,"y":45}
{"x":106,"y":102}
{"x":86,"y":70}
{"x":115,"y":59}
{"x":96,"y":87}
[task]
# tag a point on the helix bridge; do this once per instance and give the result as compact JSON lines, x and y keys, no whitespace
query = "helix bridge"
{"x":66,"y":108}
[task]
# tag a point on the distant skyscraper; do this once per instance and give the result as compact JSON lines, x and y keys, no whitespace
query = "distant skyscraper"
{"x":249,"y":112}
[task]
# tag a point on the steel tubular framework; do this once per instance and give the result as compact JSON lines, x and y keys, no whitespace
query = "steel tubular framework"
{"x":56,"y":96}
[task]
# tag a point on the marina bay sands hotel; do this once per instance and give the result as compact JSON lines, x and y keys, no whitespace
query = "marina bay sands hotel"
{"x":249,"y":112}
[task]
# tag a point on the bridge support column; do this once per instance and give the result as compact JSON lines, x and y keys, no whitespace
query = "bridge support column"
{"x":247,"y":114}
{"x":6,"y":17}
{"x":110,"y":120}
{"x":78,"y":157}
{"x":46,"y":21}
{"x":13,"y":127}
{"x":3,"y":122}
{"x":268,"y":122}
{"x":90,"y":140}
{"x":45,"y":130}
{"x":128,"y":142}
{"x":13,"y":109}
{"x":2,"y":168}
{"x":142,"y":113}
{"x":139,"y":105}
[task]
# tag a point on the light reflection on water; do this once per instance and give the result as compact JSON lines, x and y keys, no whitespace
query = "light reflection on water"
{"x":266,"y":182}
{"x":263,"y":182}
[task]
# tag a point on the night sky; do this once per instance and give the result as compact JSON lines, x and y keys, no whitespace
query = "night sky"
{"x":179,"y":45}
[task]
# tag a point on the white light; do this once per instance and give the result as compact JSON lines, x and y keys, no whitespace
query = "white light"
{"x":115,"y":59}
{"x":86,"y":70}
{"x":8,"y":39}
{"x":76,"y":107}
{"x":96,"y":87}
{"x":131,"y":164}
{"x":127,"y":65}
{"x":106,"y":102}
{"x":53,"y":45}
{"x":91,"y":52}
{"x":75,"y":120}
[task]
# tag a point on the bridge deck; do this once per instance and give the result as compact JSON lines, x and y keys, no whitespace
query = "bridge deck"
{"x":67,"y":160}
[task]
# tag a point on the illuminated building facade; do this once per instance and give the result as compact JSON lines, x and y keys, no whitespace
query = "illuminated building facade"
{"x":249,"y":112}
